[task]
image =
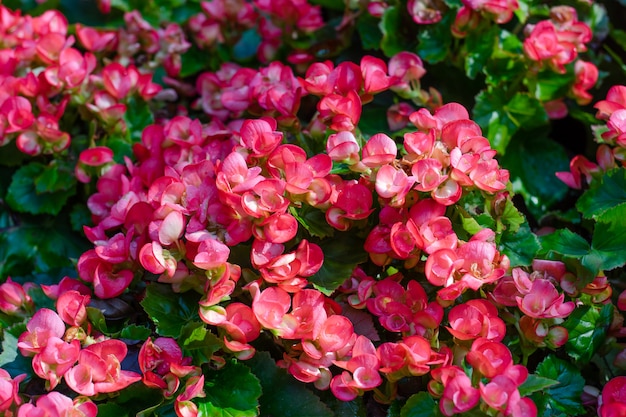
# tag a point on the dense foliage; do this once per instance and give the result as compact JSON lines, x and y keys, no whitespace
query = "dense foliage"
{"x":312,"y":208}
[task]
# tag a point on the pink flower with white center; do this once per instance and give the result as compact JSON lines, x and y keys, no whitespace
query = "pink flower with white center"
{"x":544,"y":301}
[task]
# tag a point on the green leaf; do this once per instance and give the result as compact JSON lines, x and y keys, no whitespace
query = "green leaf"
{"x":341,"y":255}
{"x":550,"y":85}
{"x":170,"y":311}
{"x":313,"y":220}
{"x":587,"y":327}
{"x":605,"y":200}
{"x":489,"y":113}
{"x":282,"y":395}
{"x":373,"y":119}
{"x":134,"y":332}
{"x":111,"y":409}
{"x":526,"y":112}
{"x":532,"y":160}
{"x":535,"y":383}
{"x":194,"y":61}
{"x":520,"y":246}
{"x":11,"y":360}
{"x":232,"y":391}
{"x":565,"y":242}
{"x":198,"y":342}
{"x":420,"y":405}
{"x":390,"y":23}
{"x":135,"y":400}
{"x":137,"y":117}
{"x":479,"y":46}
{"x":369,"y":32}
{"x":39,"y":245}
{"x":564,"y":398}
{"x":608,"y":243}
{"x":24,"y":196}
{"x":247,"y":46}
{"x":435,"y":40}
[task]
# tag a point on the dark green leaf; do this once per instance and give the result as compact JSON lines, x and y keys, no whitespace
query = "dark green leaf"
{"x":247,"y":46}
{"x":39,"y":246}
{"x":550,"y":85}
{"x":535,"y":383}
{"x":605,"y":200}
{"x":111,"y":409}
{"x":608,"y":243}
{"x":23,"y":195}
{"x":367,"y":26}
{"x":587,"y":327}
{"x":198,"y":342}
{"x":194,"y":61}
{"x":435,"y":40}
{"x":489,"y":112}
{"x":137,"y":117}
{"x":520,"y":246}
{"x":282,"y":395}
{"x":373,"y":120}
{"x":564,"y":398}
{"x":526,"y":112}
{"x":313,"y":220}
{"x":170,"y":311}
{"x":420,"y":405}
{"x":134,"y":332}
{"x":532,"y":160}
{"x":55,"y":177}
{"x":137,"y":398}
{"x":479,"y":46}
{"x":232,"y":391}
{"x":330,"y":4}
{"x":391,"y":42}
{"x":565,"y":242}
{"x":11,"y":360}
{"x":341,"y":255}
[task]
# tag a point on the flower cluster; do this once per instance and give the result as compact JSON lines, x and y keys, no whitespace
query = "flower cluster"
{"x":263,"y":211}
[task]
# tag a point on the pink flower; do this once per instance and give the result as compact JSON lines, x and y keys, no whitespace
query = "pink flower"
{"x":459,"y":395}
{"x":99,"y":370}
{"x":44,"y":324}
{"x":55,"y":359}
{"x":55,"y":404}
{"x":424,"y":12}
{"x":544,"y":301}
{"x":615,"y":100}
{"x":613,"y":400}
{"x":13,"y":297}
{"x":162,"y":364}
{"x":72,"y":307}
{"x":9,"y":390}
{"x":476,"y":318}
